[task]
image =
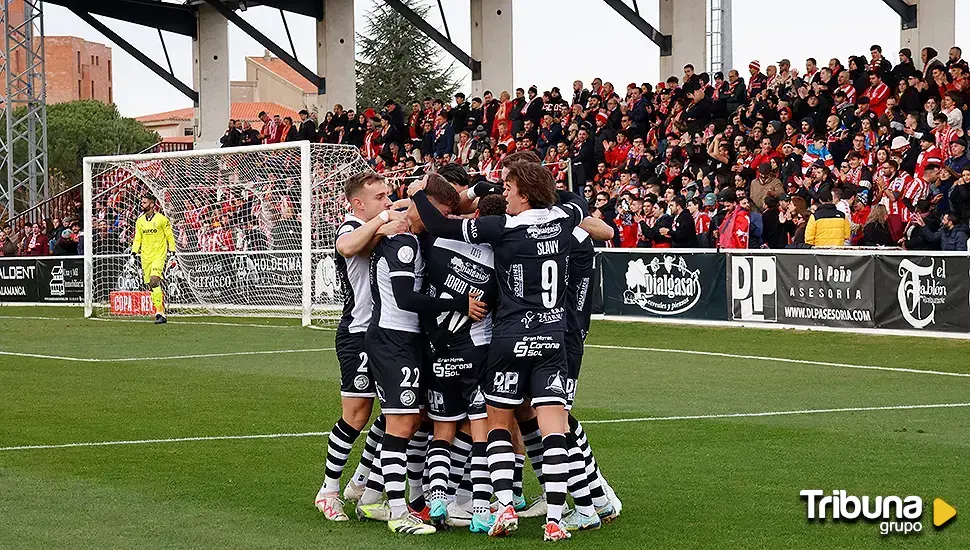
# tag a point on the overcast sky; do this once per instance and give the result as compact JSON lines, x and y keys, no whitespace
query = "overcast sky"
{"x":556,"y":41}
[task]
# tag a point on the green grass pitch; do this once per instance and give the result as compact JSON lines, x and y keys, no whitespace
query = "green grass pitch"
{"x":685,"y":482}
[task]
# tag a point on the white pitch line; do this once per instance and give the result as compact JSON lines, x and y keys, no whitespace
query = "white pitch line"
{"x":180,"y":322}
{"x":153,"y":441}
{"x":611,"y":421}
{"x":783,"y":360}
{"x":162,"y":358}
{"x":34,"y":318}
{"x":207,"y":323}
{"x":777,"y":413}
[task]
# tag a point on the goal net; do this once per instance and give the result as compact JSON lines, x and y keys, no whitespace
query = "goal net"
{"x":254,"y":230}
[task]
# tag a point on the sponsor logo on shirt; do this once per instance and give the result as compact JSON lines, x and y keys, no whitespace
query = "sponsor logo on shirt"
{"x":534,"y":346}
{"x":543,"y":317}
{"x":545,"y":231}
{"x":469,"y":270}
{"x":517,"y":282}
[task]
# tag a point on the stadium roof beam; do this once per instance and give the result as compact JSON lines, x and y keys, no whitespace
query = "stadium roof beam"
{"x":907,"y":13}
{"x":317,"y":80}
{"x":467,"y":60}
{"x":302,"y":7}
{"x":173,"y":18}
{"x":663,"y":41}
{"x":137,"y":54}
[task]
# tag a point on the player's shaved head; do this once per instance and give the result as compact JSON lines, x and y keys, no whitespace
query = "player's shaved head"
{"x":357,"y":182}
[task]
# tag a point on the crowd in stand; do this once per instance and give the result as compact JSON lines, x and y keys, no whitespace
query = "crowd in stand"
{"x":53,"y":237}
{"x":865,"y":154}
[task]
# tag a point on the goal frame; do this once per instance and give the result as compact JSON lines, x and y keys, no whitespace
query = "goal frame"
{"x":304,"y":148}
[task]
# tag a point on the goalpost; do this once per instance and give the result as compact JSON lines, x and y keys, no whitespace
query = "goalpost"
{"x":254,"y":229}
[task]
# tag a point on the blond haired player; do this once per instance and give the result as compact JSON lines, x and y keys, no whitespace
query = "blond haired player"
{"x":153,"y":241}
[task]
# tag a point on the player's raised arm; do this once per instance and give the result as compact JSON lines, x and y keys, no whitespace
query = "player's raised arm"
{"x":487,"y":229}
{"x":362,"y":240}
{"x":597,"y":229}
{"x":367,"y":194}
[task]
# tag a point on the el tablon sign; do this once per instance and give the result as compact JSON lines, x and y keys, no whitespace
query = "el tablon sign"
{"x":923,"y":293}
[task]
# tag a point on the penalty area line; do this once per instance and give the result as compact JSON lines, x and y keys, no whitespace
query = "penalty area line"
{"x":610,"y":421}
{"x":163,"y":357}
{"x":782,"y":360}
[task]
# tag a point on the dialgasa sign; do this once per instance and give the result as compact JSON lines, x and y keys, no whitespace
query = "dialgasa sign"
{"x":662,"y":286}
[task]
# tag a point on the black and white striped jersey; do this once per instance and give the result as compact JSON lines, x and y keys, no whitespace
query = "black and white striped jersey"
{"x":531,"y":261}
{"x":456,"y":268}
{"x":395,"y":256}
{"x":354,"y":284}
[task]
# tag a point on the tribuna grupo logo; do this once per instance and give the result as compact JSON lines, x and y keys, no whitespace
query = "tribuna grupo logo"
{"x":895,"y":514}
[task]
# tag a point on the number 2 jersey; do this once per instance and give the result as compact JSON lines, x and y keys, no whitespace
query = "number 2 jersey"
{"x":354,"y":283}
{"x":531,"y":261}
{"x":456,"y":268}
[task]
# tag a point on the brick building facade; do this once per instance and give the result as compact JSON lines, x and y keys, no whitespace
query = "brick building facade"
{"x":77,"y":69}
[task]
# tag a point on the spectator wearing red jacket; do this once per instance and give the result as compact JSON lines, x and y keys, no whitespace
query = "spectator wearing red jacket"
{"x":877,"y":93}
{"x":36,"y":244}
{"x":733,"y":231}
{"x":628,"y":228}
{"x":929,"y":154}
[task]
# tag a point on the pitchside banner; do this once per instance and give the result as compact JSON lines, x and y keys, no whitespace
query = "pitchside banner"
{"x":923,"y":293}
{"x":18,"y":280}
{"x":803,"y":289}
{"x":250,"y":279}
{"x":659,"y":284}
{"x":60,"y":280}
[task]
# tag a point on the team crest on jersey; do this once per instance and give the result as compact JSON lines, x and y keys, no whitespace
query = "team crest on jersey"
{"x":408,"y":398}
{"x":545,"y":231}
{"x":555,"y":384}
{"x":361,"y":381}
{"x":469,"y":270}
{"x":405,"y":254}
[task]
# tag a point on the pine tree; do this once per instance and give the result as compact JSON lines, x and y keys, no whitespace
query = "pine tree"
{"x":397,"y":61}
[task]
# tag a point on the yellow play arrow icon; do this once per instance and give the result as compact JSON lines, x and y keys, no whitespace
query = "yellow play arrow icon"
{"x":942,"y":512}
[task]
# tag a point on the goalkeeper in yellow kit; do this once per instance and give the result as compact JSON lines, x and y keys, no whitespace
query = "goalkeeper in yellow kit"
{"x":153,"y":240}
